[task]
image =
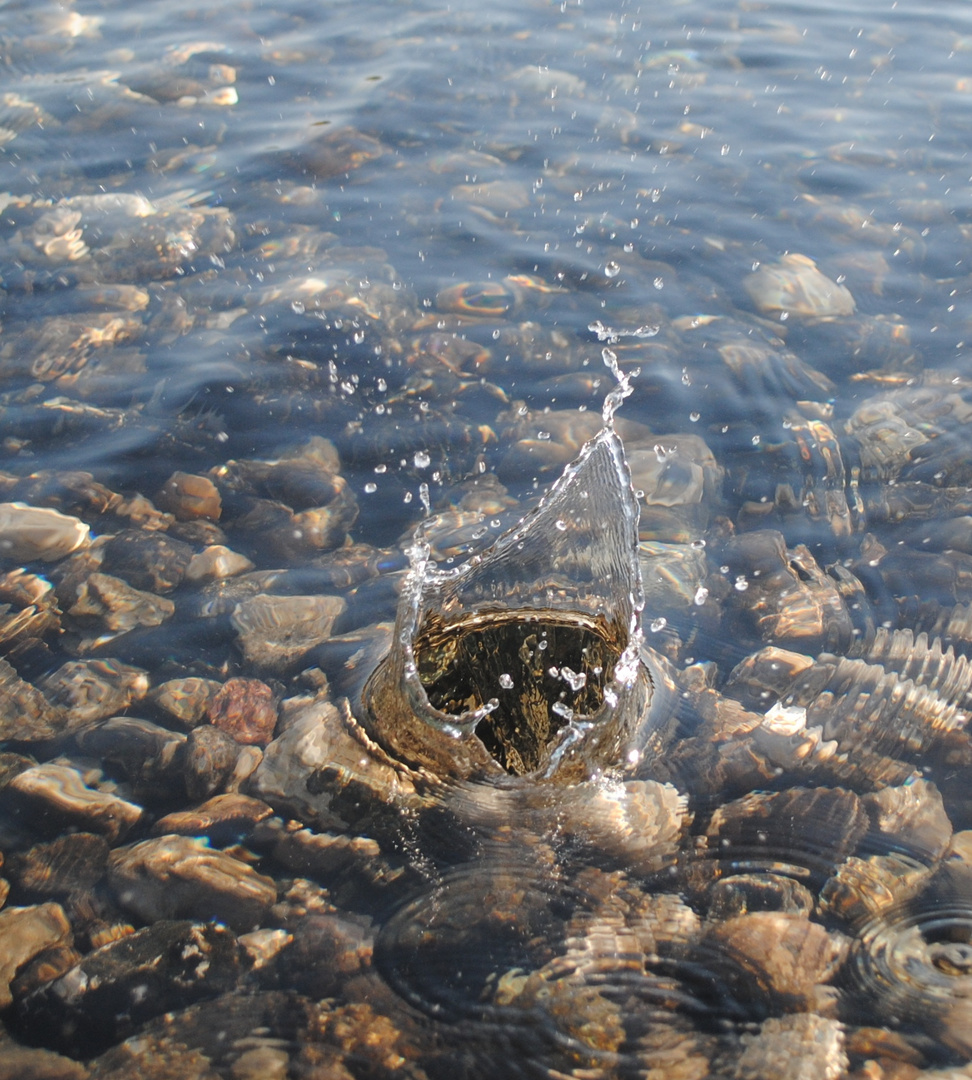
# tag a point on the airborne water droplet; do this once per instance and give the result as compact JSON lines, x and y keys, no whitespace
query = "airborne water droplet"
{"x":658,"y":624}
{"x":506,"y":681}
{"x":701,"y":595}
{"x":612,"y":269}
{"x":561,"y":524}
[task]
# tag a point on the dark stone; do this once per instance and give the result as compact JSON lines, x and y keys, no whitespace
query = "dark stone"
{"x":210,"y":757}
{"x":147,"y":560}
{"x":117,"y":988}
{"x":71,"y":863}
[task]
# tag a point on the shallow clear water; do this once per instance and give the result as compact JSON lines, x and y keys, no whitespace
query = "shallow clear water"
{"x":413,"y":229}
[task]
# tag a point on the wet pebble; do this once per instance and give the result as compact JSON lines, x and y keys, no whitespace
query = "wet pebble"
{"x":222,"y":819}
{"x":26,"y":1063}
{"x":71,"y":863}
{"x":26,"y":715}
{"x":178,"y":877}
{"x":189,"y":497}
{"x":53,"y":797}
{"x":802,"y":1046}
{"x":31,"y":533}
{"x":107,"y":607}
{"x":911,"y":817}
{"x":185,"y":701}
{"x":794,"y":286}
{"x":147,"y":755}
{"x":216,"y":562}
{"x":209,"y":760}
{"x":25,"y":932}
{"x":150,"y":561}
{"x":245,"y":709}
{"x":275,"y":632}
{"x":779,"y":957}
{"x":92,"y":690}
{"x":115,"y":988}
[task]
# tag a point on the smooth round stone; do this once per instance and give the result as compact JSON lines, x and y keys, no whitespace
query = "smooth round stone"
{"x":188,"y":497}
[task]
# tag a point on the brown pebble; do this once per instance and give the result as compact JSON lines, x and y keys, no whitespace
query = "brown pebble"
{"x":25,"y":932}
{"x":23,"y":1063}
{"x":73,"y":862}
{"x":222,"y":813}
{"x":188,"y":497}
{"x":245,"y":709}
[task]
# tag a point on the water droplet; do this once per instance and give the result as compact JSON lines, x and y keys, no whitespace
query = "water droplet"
{"x":741,"y":584}
{"x":370,"y":489}
{"x":659,"y":283}
{"x":543,"y":435}
{"x":422,"y":459}
{"x":297,"y":307}
{"x":694,"y":417}
{"x":756,"y":440}
{"x":658,"y":624}
{"x":701,"y":595}
{"x":612,"y":269}
{"x":541,"y":645}
{"x":576,"y":680}
{"x":698,"y":544}
{"x":506,"y":681}
{"x":561,"y":524}
{"x":562,"y":710}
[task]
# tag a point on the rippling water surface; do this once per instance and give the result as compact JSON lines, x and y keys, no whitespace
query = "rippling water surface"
{"x":280,"y":282}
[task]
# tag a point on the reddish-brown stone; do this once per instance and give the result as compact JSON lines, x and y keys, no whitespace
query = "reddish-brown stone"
{"x":245,"y":709}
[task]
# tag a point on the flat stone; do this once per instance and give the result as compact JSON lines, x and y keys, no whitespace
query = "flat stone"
{"x":107,"y":607}
{"x":149,"y":756}
{"x":92,"y":690}
{"x":147,"y":560}
{"x":275,"y":632}
{"x":314,"y":738}
{"x":31,"y":533}
{"x":53,"y":797}
{"x":118,"y":987}
{"x":186,"y":701}
{"x":25,"y":932}
{"x":175,"y":877}
{"x":71,"y":863}
{"x":25,"y":713}
{"x":245,"y":709}
{"x":230,"y":815}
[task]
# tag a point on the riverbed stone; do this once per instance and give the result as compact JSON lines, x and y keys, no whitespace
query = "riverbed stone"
{"x":172,"y":877}
{"x":25,"y":932}
{"x":245,"y":709}
{"x":52,"y":797}
{"x":102,"y":999}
